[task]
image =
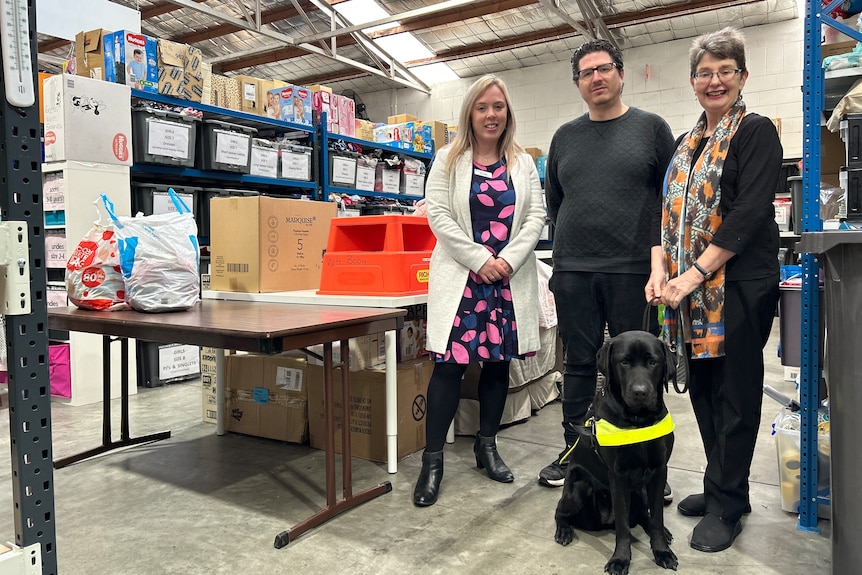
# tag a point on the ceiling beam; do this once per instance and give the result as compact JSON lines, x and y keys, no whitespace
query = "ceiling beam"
{"x":475,"y":10}
{"x":406,"y":16}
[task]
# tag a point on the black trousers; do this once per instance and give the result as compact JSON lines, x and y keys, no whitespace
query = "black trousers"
{"x":727,"y":395}
{"x":586,"y":303}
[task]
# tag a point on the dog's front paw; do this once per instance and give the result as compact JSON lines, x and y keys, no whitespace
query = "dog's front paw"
{"x":564,"y":535}
{"x":668,"y":536}
{"x":666,"y":559}
{"x":618,"y":566}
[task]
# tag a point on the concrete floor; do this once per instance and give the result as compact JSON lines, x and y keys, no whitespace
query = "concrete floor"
{"x":201,"y":504}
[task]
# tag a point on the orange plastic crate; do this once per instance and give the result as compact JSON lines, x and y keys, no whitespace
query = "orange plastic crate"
{"x":377,"y":255}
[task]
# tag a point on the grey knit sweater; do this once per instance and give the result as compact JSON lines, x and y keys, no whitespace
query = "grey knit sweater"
{"x":603,"y":189}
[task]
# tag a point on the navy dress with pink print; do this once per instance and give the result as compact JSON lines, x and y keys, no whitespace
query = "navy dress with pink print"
{"x":485,"y":328}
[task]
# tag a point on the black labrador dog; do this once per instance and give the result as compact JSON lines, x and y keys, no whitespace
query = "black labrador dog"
{"x":618,"y":468}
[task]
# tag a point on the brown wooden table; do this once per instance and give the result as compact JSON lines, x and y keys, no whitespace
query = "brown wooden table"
{"x":244,"y":326}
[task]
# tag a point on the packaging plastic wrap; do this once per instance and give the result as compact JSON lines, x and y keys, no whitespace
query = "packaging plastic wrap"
{"x":94,"y":280}
{"x":159,"y":258}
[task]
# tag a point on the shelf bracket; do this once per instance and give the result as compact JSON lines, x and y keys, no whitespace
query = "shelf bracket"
{"x":15,"y":267}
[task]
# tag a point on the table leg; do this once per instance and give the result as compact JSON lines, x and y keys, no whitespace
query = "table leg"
{"x":108,"y":444}
{"x":391,"y":403}
{"x":334,"y":507}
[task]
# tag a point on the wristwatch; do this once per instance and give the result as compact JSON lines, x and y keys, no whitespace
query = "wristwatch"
{"x":706,"y":275}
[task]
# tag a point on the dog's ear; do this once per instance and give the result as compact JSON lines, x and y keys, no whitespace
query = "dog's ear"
{"x":670,"y":365}
{"x":603,"y":358}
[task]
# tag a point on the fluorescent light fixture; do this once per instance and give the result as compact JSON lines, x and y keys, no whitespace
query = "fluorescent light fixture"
{"x":404,"y":47}
{"x":434,"y":73}
{"x":361,"y":11}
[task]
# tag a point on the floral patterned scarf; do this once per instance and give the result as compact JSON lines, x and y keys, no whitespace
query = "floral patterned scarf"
{"x":690,"y":219}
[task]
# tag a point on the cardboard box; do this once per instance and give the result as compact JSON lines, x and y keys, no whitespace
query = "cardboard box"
{"x":833,"y":152}
{"x":180,"y":71}
{"x":439,"y":133}
{"x":365,"y":352}
{"x":87,"y":120}
{"x":224,"y":92}
{"x":368,"y":410}
{"x":346,"y":114}
{"x":837,"y":48}
{"x":401,"y":119}
{"x":321,"y":102}
{"x":266,"y":244}
{"x":251,"y":98}
{"x":319,"y":88}
{"x":411,"y":340}
{"x":364,"y":130}
{"x":271,"y":105}
{"x":208,"y":384}
{"x":132,"y":59}
{"x":294,"y":104}
{"x":90,"y":53}
{"x":267,"y":396}
{"x":534,"y":152}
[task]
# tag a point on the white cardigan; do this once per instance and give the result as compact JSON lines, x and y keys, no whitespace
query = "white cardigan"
{"x":456,"y":253}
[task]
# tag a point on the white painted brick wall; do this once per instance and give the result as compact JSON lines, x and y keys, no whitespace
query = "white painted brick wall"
{"x":545,"y":97}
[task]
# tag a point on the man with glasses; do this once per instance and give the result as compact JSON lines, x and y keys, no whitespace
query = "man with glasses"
{"x":603,"y":189}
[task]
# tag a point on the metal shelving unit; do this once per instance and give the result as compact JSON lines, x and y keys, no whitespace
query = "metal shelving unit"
{"x":327,"y":188}
{"x":816,"y":98}
{"x":27,"y":335}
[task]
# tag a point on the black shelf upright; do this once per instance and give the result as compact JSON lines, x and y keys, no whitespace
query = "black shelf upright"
{"x":27,"y":335}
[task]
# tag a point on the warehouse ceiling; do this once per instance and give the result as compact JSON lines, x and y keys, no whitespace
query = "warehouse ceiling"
{"x":308,"y":42}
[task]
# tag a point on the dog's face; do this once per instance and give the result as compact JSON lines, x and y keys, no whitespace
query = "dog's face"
{"x":636,"y":365}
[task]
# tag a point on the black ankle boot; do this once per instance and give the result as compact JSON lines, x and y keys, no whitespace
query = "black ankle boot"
{"x":487,"y":458}
{"x":428,"y":484}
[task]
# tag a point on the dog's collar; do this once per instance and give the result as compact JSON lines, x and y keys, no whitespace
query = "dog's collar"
{"x":609,"y":435}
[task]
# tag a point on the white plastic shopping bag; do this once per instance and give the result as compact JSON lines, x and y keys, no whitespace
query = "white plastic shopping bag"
{"x":159,"y":257}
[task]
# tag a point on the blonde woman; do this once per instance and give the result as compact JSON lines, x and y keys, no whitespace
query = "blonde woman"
{"x":484,"y":205}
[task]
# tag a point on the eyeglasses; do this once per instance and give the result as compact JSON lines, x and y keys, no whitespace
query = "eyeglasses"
{"x":723,"y":75}
{"x":604,"y":70}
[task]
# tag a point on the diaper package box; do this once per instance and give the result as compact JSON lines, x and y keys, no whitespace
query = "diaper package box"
{"x":295,"y":104}
{"x":87,"y":120}
{"x":132,"y":59}
{"x":180,"y":70}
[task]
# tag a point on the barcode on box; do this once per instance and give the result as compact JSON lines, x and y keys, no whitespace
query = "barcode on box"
{"x":288,"y":379}
{"x":237,"y":268}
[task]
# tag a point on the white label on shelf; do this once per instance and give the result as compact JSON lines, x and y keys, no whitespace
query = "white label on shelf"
{"x":343,"y":170}
{"x":54,"y":192}
{"x":178,"y":360}
{"x":162,"y":203}
{"x":391,"y":181}
{"x":231,"y":148}
{"x":365,"y":178}
{"x":56,"y":296}
{"x":168,"y":138}
{"x":295,"y":166}
{"x":264,"y":162}
{"x":414,"y":184}
{"x":55,"y":250}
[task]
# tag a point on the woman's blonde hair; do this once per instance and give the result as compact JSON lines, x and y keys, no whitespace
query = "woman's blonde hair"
{"x":466,"y":139}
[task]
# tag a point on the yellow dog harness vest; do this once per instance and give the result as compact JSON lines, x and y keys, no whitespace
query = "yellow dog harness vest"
{"x":609,"y":435}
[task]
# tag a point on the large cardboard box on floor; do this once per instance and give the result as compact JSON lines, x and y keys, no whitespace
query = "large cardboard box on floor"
{"x":267,"y":396}
{"x":87,"y":120}
{"x":266,"y":244}
{"x":368,"y":409}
